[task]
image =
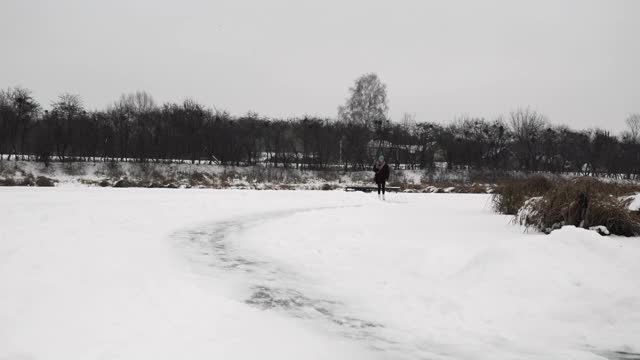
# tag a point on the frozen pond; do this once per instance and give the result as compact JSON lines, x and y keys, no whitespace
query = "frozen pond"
{"x":130,"y":273}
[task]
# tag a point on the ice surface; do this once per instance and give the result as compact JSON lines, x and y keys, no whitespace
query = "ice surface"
{"x":136,"y":273}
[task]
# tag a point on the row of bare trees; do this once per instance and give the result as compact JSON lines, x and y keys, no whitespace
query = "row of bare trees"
{"x":135,"y":128}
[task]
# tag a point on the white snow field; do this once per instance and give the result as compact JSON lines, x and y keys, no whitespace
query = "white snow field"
{"x":91,"y":273}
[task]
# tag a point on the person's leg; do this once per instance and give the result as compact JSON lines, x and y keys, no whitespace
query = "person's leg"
{"x":379,"y":187}
{"x":383,"y":187}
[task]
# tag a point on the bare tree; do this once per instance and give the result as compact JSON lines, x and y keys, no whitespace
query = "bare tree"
{"x":135,"y":128}
{"x":6,"y":113}
{"x":69,"y":104}
{"x":527,"y":126}
{"x":65,"y":116}
{"x":20,"y":112}
{"x":633,"y":122}
{"x":367,"y":103}
{"x":136,"y":103}
{"x":405,"y":141}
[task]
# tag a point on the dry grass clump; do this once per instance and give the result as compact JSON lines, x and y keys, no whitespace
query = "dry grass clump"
{"x":328,"y":187}
{"x":44,"y":181}
{"x":88,"y":182}
{"x":28,"y":180}
{"x":453,"y":186}
{"x":583,"y":202}
{"x":509,"y":196}
{"x":615,"y":188}
{"x":9,"y":181}
{"x":473,"y":188}
{"x":125,"y":183}
{"x":227,"y":177}
{"x":198,"y":179}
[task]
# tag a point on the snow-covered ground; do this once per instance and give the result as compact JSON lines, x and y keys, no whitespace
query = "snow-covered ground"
{"x":91,"y":273}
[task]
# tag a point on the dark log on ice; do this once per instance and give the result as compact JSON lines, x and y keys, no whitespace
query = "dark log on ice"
{"x":371,"y":188}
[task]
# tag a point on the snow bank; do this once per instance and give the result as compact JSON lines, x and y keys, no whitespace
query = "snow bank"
{"x":447,"y":279}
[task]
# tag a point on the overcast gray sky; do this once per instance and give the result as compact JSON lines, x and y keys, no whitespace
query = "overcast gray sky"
{"x":576,"y":61}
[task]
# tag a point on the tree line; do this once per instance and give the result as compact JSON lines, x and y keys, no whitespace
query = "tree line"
{"x":135,"y":128}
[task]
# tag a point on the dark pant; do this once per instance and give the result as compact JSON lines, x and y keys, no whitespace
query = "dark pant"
{"x":380,"y":187}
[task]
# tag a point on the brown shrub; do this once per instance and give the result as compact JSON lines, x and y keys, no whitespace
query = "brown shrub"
{"x":199,"y":179}
{"x":509,"y":196}
{"x":477,"y":189}
{"x":8,"y":182}
{"x":614,"y":188}
{"x":583,"y":202}
{"x":170,"y":183}
{"x":327,"y":187}
{"x":28,"y":180}
{"x":124,"y":183}
{"x":222,"y":184}
{"x":44,"y":181}
{"x":227,"y":177}
{"x":87,"y":182}
{"x":101,"y":183}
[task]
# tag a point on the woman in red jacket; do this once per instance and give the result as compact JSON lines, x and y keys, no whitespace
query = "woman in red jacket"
{"x":381,"y":170}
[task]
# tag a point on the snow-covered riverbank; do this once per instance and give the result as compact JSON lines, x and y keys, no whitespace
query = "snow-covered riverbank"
{"x":128,"y":273}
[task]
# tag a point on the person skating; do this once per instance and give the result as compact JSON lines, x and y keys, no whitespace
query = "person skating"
{"x":381,"y":170}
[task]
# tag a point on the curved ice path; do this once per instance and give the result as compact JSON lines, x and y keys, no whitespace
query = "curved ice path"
{"x":273,"y":287}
